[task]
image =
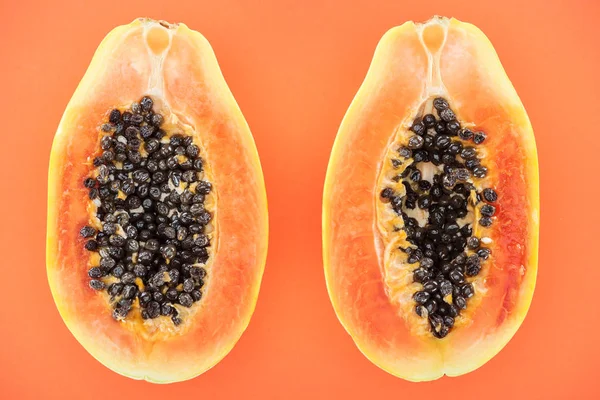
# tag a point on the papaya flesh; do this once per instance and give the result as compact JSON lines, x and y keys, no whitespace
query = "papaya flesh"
{"x":431,"y":205}
{"x":157,"y":214}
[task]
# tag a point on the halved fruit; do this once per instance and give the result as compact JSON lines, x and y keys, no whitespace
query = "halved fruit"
{"x":431,"y":205}
{"x":157,"y":212}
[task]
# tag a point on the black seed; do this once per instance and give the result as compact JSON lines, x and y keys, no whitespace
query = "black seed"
{"x":95,"y":272}
{"x":442,"y":141}
{"x":146,"y":103}
{"x":484,"y":253}
{"x":117,"y":271}
{"x":465,"y":134}
{"x":97,"y":284}
{"x":445,"y":288}
{"x":421,"y":297}
{"x":130,"y":291}
{"x":196,"y":295}
{"x":440,"y":104}
{"x":488,"y":210}
{"x":115,"y":116}
{"x":169,"y":251}
{"x":424,"y":202}
{"x":479,"y":137}
{"x":467,"y":290}
{"x":429,"y":120}
{"x":405,"y":152}
{"x":468,"y":153}
{"x":473,"y":243}
{"x":480,"y":172}
{"x":186,"y":300}
{"x":87,"y":231}
{"x":460,"y":302}
{"x":91,"y":245}
{"x":472,"y":164}
{"x":452,"y":127}
{"x":418,"y":128}
{"x":116,"y":240}
{"x":447,"y":115}
{"x":473,"y":265}
{"x":490,"y":195}
{"x":415,"y":176}
{"x":431,"y":286}
{"x":456,"y":276}
{"x":415,"y":142}
{"x":485,"y":221}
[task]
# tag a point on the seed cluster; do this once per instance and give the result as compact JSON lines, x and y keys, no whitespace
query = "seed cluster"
{"x":439,"y":246}
{"x":150,"y":195}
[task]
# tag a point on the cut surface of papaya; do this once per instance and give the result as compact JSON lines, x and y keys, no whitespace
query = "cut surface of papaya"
{"x":157,"y":214}
{"x":431,"y":205}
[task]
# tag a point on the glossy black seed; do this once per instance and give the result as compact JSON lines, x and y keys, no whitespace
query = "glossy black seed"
{"x":460,"y":302}
{"x":449,"y":180}
{"x":426,"y":262}
{"x":467,"y":290}
{"x":169,"y":251}
{"x":465,"y":134}
{"x":445,"y":288}
{"x":440,"y":127}
{"x":421,"y":297}
{"x":447,"y":115}
{"x":431,"y":286}
{"x":456,"y":276}
{"x":415,"y":142}
{"x":130,"y":291}
{"x":97,"y":284}
{"x":452,"y":127}
{"x":473,"y":243}
{"x":424,"y":202}
{"x":429,"y":120}
{"x":439,"y":103}
{"x":196,"y":295}
{"x":479,"y":137}
{"x":468,"y":153}
{"x":91,"y":245}
{"x":115,"y":116}
{"x":118,"y":271}
{"x":454,"y":148}
{"x":116,"y":240}
{"x":146,"y":103}
{"x":485,"y":221}
{"x":484,"y":253}
{"x":387,"y":193}
{"x":87,"y":231}
{"x":480,"y":171}
{"x":418,"y":128}
{"x":186,"y":300}
{"x":490,"y":195}
{"x":415,"y":175}
{"x":488,"y":210}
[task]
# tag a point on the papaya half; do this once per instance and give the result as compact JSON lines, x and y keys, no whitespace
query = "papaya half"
{"x":157,"y":213}
{"x":431,"y":205}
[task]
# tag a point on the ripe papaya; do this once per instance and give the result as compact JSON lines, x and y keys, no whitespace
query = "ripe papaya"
{"x":157,"y":214}
{"x":431,"y":205}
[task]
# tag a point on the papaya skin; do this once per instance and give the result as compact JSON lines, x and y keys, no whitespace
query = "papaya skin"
{"x":183,"y":77}
{"x":354,"y":248}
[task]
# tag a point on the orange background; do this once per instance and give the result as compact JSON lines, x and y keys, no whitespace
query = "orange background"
{"x":294,"y":67}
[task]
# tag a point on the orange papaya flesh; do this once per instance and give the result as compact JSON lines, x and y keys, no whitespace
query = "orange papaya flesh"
{"x":375,"y":215}
{"x":201,"y":169}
